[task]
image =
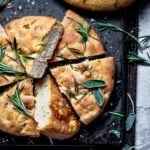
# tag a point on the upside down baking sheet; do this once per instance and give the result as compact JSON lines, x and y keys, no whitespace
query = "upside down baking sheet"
{"x":98,"y":132}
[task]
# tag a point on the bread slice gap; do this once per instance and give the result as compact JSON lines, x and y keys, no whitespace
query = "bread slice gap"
{"x":70,"y":79}
{"x":53,"y":114}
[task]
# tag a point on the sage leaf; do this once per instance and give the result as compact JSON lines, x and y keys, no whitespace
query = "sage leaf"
{"x":130,"y":121}
{"x":16,"y":100}
{"x":115,"y":132}
{"x":90,"y":84}
{"x":98,"y":97}
{"x":3,"y":2}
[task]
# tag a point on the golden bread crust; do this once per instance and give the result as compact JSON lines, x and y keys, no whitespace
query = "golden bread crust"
{"x":71,"y":45}
{"x":100,"y":5}
{"x":11,"y":120}
{"x":82,"y":100}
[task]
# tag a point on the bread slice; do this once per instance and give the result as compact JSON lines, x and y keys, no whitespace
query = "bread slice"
{"x":74,"y":44}
{"x":71,"y":77}
{"x":14,"y":121}
{"x":38,"y":36}
{"x":54,"y":116}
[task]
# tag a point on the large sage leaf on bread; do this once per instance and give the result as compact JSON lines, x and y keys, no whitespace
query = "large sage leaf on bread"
{"x":96,"y":85}
{"x":16,"y":100}
{"x":90,"y":84}
{"x":98,"y":96}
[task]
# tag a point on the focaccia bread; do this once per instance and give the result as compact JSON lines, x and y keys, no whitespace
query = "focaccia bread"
{"x":35,"y":35}
{"x":52,"y":112}
{"x":71,"y":77}
{"x":100,"y":5}
{"x":12,"y":119}
{"x":78,"y":40}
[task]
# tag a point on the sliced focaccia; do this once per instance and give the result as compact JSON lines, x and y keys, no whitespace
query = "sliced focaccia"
{"x":37,"y":35}
{"x":16,"y":110}
{"x":88,"y":102}
{"x":3,"y":36}
{"x":79,"y":39}
{"x":54,"y":116}
{"x":11,"y":69}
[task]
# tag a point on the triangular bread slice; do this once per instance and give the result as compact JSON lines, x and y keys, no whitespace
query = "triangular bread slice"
{"x":38,"y":36}
{"x":79,"y":39}
{"x":14,"y":121}
{"x":54,"y":116}
{"x":71,"y":77}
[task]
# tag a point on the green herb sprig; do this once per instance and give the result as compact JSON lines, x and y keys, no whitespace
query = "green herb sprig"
{"x":2,"y":53}
{"x":118,"y":115}
{"x":116,"y":133}
{"x":96,"y":86}
{"x":16,"y":100}
{"x":134,"y":58}
{"x":131,"y":117}
{"x":103,"y":25}
{"x":5,"y":69}
{"x":145,"y":39}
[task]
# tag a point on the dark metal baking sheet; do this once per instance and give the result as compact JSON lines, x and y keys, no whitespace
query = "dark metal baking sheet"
{"x":97,"y":133}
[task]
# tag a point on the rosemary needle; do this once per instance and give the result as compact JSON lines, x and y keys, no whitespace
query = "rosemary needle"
{"x":103,"y":25}
{"x":134,"y":58}
{"x":16,"y":100}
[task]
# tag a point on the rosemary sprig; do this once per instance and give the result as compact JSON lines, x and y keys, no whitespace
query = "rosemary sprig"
{"x":145,"y":39}
{"x":103,"y":25}
{"x":16,"y":100}
{"x":2,"y":53}
{"x":4,"y":69}
{"x":134,"y":58}
{"x":19,"y":57}
{"x":118,"y":115}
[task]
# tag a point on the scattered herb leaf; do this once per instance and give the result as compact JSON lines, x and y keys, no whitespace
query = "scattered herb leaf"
{"x":130,"y":121}
{"x":98,"y":96}
{"x":90,"y":84}
{"x":16,"y":100}
{"x":118,"y":115}
{"x":103,"y":25}
{"x":4,"y":69}
{"x":115,"y":132}
{"x":145,"y":39}
{"x":26,"y":26}
{"x":2,"y":53}
{"x":134,"y":58}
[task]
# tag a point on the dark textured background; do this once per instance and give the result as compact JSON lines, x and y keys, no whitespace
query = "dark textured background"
{"x":97,"y":133}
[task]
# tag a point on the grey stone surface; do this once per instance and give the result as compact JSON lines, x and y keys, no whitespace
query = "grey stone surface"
{"x":143,"y":86}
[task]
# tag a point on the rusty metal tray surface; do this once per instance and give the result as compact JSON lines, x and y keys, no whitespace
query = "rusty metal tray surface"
{"x":97,"y":133}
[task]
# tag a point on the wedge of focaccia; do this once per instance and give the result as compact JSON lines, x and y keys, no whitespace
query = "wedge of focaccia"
{"x":79,"y":39}
{"x":14,"y":118}
{"x":87,"y":102}
{"x":54,"y":116}
{"x":35,"y":35}
{"x":3,"y":36}
{"x":11,"y":70}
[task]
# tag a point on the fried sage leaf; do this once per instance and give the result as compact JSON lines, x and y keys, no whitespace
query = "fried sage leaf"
{"x":4,"y":69}
{"x":130,"y":121}
{"x":16,"y":100}
{"x":90,"y":84}
{"x":98,"y":96}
